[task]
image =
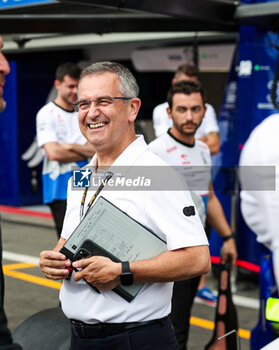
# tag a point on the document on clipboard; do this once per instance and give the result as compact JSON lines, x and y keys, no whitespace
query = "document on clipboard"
{"x":108,"y":231}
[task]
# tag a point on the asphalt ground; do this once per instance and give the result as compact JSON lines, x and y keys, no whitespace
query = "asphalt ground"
{"x":27,"y":291}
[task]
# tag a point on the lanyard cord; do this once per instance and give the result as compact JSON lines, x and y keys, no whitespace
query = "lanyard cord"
{"x":82,"y":215}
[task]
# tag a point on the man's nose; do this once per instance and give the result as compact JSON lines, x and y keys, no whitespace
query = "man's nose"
{"x":4,"y":65}
{"x":189,"y":115}
{"x":93,"y":109}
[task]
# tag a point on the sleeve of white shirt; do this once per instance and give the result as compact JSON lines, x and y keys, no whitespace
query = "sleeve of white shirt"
{"x":210,"y":120}
{"x":161,"y":121}
{"x":46,"y":130}
{"x":166,"y":215}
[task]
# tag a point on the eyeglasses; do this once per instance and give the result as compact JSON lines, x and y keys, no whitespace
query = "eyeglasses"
{"x":84,"y":105}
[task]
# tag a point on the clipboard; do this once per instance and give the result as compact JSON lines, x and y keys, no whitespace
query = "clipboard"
{"x":108,"y":231}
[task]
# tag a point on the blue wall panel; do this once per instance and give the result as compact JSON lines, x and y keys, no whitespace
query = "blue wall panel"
{"x":8,"y":142}
{"x":26,"y":90}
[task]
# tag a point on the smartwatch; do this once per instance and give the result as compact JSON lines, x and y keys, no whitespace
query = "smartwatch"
{"x":126,"y":277}
{"x":226,"y":238}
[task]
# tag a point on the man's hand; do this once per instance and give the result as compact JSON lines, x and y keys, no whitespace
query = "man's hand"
{"x":54,"y":264}
{"x":229,"y":249}
{"x":212,"y":140}
{"x":99,"y":271}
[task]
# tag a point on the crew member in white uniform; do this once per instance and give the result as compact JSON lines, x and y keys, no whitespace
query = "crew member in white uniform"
{"x":191,"y":158}
{"x":108,"y":107}
{"x":260,"y":190}
{"x":59,"y":136}
{"x":208,"y":131}
{"x":260,"y":193}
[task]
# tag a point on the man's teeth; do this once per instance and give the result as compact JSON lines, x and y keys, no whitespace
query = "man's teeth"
{"x":98,"y":125}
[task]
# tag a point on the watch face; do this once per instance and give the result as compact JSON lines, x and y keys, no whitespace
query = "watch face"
{"x":126,"y":278}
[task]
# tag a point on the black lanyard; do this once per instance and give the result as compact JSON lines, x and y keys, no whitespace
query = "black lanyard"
{"x":99,"y":189}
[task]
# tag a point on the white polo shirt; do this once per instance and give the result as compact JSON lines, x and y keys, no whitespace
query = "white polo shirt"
{"x":192,"y":161}
{"x":159,"y":211}
{"x":162,"y":122}
{"x":55,"y":124}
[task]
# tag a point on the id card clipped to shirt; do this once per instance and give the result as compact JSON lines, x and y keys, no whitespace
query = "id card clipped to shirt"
{"x":108,"y":231}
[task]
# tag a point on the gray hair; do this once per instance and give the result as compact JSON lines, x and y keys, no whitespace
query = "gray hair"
{"x":128,"y":84}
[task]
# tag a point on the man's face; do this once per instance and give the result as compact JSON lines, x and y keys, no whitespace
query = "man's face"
{"x":105,"y":125}
{"x":187,"y":113}
{"x":4,"y":70}
{"x":67,"y":89}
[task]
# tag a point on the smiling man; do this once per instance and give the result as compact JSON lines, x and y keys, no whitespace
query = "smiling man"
{"x":108,"y":106}
{"x":106,"y":132}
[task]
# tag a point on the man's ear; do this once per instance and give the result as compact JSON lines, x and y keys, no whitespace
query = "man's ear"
{"x":134,"y":106}
{"x":169,"y":113}
{"x":56,"y":83}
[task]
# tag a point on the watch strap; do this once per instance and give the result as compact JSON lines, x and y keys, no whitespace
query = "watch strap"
{"x":228,"y":237}
{"x":125,"y":266}
{"x":126,"y":277}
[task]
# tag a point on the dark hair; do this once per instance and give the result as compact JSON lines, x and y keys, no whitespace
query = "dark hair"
{"x":186,"y":87}
{"x":186,"y":69}
{"x":128,"y":84}
{"x":67,"y":68}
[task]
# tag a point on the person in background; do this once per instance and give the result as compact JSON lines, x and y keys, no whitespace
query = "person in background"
{"x":6,"y":340}
{"x":191,"y":157}
{"x":108,"y":106}
{"x":58,"y":134}
{"x":208,"y":131}
{"x":259,"y":191}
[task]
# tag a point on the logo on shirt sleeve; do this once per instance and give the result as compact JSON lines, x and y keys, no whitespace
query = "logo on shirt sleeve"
{"x":189,"y":211}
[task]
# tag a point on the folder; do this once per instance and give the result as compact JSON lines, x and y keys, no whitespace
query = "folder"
{"x":108,"y":231}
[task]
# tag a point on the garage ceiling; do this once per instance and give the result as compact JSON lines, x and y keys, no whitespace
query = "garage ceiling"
{"x":57,"y":18}
{"x":106,"y":16}
{"x":100,"y":17}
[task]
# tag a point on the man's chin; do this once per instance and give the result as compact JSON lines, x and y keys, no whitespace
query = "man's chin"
{"x":189,"y":132}
{"x":2,"y":105}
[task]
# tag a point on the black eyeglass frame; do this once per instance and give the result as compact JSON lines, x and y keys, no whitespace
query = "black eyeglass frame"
{"x":76,"y":104}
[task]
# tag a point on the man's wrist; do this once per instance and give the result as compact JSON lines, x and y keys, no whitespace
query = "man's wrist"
{"x":231,"y":236}
{"x":126,"y":276}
